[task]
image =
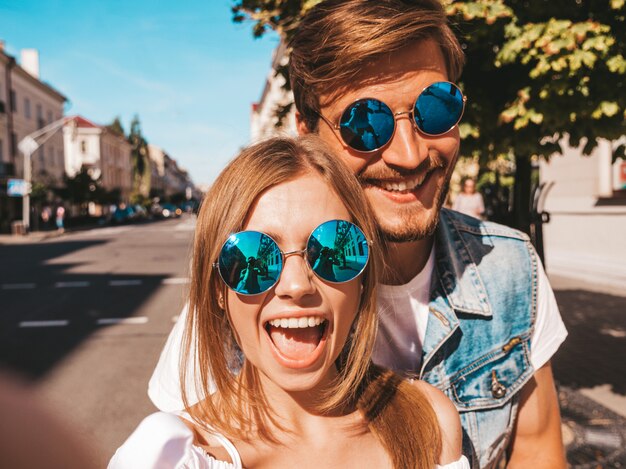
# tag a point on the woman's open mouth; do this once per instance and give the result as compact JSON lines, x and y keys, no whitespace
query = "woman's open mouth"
{"x":296,"y":341}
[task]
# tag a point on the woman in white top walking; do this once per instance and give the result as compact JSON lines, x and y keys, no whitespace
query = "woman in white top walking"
{"x":287,"y":370}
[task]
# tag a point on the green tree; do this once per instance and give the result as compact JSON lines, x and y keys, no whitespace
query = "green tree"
{"x":116,"y":128}
{"x":538,"y":73}
{"x":81,"y":189}
{"x":140,"y":161}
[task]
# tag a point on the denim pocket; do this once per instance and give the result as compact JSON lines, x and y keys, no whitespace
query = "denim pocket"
{"x":491,"y":380}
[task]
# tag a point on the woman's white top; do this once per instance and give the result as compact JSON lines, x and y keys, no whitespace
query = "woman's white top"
{"x":163,"y":441}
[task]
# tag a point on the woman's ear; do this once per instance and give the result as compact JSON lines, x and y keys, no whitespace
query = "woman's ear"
{"x":220,"y":301}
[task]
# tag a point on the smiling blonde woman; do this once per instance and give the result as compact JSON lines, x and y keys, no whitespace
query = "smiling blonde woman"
{"x":286,"y":367}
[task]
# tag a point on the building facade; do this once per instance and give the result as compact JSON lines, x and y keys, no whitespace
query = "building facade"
{"x":263,"y":119}
{"x":103,"y":153}
{"x":27,"y":105}
{"x":584,"y":238}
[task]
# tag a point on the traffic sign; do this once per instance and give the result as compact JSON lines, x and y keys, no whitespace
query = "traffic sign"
{"x":18,"y":188}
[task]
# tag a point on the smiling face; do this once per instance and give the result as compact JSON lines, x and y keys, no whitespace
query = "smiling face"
{"x":406,"y":181}
{"x":294,"y":332}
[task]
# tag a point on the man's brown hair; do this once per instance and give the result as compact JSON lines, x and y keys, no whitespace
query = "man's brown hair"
{"x":338,"y":38}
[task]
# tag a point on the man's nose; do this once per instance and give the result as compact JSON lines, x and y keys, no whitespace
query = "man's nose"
{"x":296,"y":278}
{"x":408,"y":148}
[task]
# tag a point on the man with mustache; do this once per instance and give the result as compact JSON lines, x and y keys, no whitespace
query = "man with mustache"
{"x":464,"y":304}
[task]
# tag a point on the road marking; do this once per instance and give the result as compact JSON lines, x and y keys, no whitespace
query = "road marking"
{"x":18,"y":286}
{"x":71,"y":284}
{"x":133,"y":320}
{"x":124,"y":283}
{"x":175,"y":281}
{"x":57,"y":323}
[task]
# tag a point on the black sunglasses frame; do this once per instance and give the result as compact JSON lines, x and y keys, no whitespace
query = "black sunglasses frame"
{"x":410,"y":113}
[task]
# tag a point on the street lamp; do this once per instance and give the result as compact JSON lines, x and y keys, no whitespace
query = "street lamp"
{"x":28,"y":145}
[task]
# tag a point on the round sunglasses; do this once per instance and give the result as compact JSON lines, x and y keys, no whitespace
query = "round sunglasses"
{"x":368,"y":124}
{"x":250,"y":262}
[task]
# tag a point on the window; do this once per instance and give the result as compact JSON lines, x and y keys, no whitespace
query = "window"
{"x":13,"y":101}
{"x":49,"y":117}
{"x":1,"y":150}
{"x":27,"y":108}
{"x":13,"y":144}
{"x":60,"y":157}
{"x":40,"y":122}
{"x":83,"y":146}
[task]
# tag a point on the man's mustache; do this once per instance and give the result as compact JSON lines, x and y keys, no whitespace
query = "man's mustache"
{"x":385,"y":172}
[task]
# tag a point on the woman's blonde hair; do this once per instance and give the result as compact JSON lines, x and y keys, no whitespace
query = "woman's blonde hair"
{"x":239,"y":408}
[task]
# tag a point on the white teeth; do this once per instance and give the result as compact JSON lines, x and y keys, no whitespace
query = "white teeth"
{"x":295,"y":323}
{"x":402,"y":186}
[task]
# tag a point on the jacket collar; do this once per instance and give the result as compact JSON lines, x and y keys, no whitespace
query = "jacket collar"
{"x":455,"y":270}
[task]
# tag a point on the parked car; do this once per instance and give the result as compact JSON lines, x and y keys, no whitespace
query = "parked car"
{"x":122,"y":214}
{"x":170,"y":211}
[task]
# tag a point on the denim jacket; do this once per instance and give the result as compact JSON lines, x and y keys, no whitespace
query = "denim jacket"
{"x":477,"y":345}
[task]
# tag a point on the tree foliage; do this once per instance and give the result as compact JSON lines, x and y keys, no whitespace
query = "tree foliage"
{"x":140,"y":159}
{"x":116,"y":128}
{"x":537,"y":71}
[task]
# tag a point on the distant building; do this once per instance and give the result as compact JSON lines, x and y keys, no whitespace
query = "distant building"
{"x":157,"y":170}
{"x":585,"y":238}
{"x":169,"y":179}
{"x":27,"y":104}
{"x":263,"y":119}
{"x":103,"y":153}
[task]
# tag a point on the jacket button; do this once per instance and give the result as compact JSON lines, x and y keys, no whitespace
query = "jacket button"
{"x":498,"y":390}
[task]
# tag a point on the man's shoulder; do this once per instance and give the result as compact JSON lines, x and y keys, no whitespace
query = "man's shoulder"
{"x":474,"y":226}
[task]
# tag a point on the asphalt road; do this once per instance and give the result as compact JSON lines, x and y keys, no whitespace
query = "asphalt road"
{"x":86,"y":315}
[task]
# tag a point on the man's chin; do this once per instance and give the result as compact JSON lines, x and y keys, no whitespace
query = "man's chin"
{"x":411,"y":229}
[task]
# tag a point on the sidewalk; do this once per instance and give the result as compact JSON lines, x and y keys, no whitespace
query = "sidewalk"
{"x":30,"y":238}
{"x":590,"y":371}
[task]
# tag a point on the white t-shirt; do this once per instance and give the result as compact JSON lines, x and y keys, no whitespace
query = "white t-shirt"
{"x":403,"y":313}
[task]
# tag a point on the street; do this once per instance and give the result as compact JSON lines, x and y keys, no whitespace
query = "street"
{"x":85,"y":315}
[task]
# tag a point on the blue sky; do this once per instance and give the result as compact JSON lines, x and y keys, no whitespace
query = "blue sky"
{"x":183,"y":67}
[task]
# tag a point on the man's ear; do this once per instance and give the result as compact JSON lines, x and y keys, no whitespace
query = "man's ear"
{"x":301,"y":125}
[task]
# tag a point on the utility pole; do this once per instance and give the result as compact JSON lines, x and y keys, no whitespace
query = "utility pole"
{"x":28,"y":145}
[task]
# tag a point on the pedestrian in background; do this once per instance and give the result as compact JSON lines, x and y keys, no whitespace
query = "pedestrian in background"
{"x":468,"y":201}
{"x":60,"y":218}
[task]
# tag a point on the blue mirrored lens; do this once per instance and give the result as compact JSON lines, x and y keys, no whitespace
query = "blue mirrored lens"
{"x":337,"y":251}
{"x":250,"y":262}
{"x":367,"y":125}
{"x":438,"y":108}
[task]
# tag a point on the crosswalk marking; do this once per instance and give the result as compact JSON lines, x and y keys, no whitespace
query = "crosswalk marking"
{"x":175,"y":281}
{"x":77,"y":284}
{"x":55,"y":323}
{"x":124,"y":283}
{"x":132,"y":320}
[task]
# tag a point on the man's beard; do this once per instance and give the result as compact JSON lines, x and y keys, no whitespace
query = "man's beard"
{"x":412,"y":228}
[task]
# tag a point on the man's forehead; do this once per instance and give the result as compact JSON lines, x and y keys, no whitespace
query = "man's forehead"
{"x":423,"y":58}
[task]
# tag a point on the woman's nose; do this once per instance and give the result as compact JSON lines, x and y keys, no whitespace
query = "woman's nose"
{"x":296,"y":278}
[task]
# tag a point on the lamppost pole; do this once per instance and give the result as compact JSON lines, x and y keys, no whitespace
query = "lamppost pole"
{"x":27,"y":146}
